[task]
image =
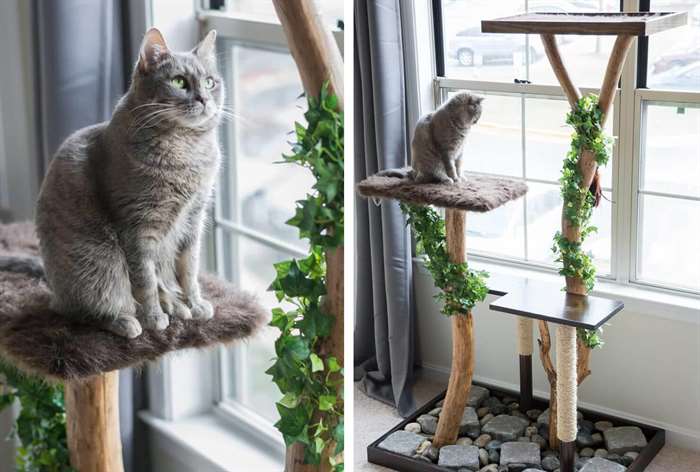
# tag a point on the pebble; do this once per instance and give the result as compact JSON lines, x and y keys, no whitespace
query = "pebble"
{"x":494,"y":445}
{"x":477,"y":396}
{"x":584,"y":439}
{"x":550,"y":463}
{"x":533,"y":414}
{"x":531,"y":431}
{"x":488,"y":417}
{"x":428,"y":423}
{"x":483,"y":457}
{"x":597,"y":438}
{"x":432,"y":453}
{"x":482,"y":440}
{"x":602,"y":453}
{"x":603,"y":426}
{"x":587,"y":452}
{"x":423,"y":446}
{"x":494,"y":456}
{"x":435,"y":411}
{"x":539,"y":440}
{"x":585,"y":425}
{"x":412,"y":428}
{"x":483,"y":411}
{"x":489,"y":468}
{"x":469,"y":424}
{"x":464,"y":442}
{"x":633,"y":455}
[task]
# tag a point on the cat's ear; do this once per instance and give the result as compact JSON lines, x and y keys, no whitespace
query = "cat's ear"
{"x":153,"y":50}
{"x":206,"y":46}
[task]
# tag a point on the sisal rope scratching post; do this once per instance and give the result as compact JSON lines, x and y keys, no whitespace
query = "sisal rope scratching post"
{"x":525,"y":347}
{"x":87,"y":359}
{"x":566,"y":394}
{"x":474,"y":193}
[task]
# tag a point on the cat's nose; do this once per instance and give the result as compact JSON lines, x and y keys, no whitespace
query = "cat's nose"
{"x":200,"y":99}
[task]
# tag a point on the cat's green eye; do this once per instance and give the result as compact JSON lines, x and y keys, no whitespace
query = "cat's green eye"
{"x":179,"y":82}
{"x":210,"y":82}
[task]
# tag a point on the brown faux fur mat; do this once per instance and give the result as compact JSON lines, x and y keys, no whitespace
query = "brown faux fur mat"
{"x":475,"y":193}
{"x":42,"y":342}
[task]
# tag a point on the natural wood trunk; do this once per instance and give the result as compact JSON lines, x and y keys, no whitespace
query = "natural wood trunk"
{"x":318,"y":60}
{"x":312,"y":45}
{"x":92,"y":423}
{"x":588,"y":167}
{"x":462,"y":344}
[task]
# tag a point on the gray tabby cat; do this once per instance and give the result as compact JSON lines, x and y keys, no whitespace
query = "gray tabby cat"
{"x":436,"y":149}
{"x":121,"y":210}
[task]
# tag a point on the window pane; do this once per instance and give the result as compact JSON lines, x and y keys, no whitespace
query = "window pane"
{"x":471,"y":55}
{"x":674,"y":55}
{"x":331,"y":10}
{"x":494,"y":145}
{"x":671,"y":151}
{"x":548,"y":139}
{"x":668,"y":240}
{"x":544,"y":220}
{"x":499,"y":232}
{"x":264,"y":87}
{"x":254,"y":272}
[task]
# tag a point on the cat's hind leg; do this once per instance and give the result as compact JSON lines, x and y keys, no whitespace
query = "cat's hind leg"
{"x":437,"y":177}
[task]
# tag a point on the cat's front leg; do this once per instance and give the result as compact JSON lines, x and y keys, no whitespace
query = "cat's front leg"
{"x":451,"y":170}
{"x":187,"y":269}
{"x":144,"y":283}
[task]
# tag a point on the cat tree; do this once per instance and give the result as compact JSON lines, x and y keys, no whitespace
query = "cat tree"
{"x":574,"y":309}
{"x":477,"y":194}
{"x":86,"y":359}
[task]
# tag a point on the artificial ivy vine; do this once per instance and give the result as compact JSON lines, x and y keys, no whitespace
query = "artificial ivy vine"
{"x":589,"y":135}
{"x":311,"y":410}
{"x":460,"y":287}
{"x":41,"y":424}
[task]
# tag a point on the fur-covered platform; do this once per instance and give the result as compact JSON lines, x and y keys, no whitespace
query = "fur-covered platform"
{"x":477,"y":193}
{"x":42,"y":342}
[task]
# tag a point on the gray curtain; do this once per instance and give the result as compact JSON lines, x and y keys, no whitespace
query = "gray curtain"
{"x":384,"y":306}
{"x":83,"y":60}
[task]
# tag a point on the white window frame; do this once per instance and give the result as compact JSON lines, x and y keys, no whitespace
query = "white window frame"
{"x":268,"y":35}
{"x":622,"y":280}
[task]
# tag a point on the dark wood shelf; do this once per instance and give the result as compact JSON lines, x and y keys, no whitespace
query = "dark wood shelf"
{"x":637,"y":24}
{"x":544,"y":301}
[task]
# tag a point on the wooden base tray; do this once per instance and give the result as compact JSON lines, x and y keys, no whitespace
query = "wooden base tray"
{"x":656,"y":437}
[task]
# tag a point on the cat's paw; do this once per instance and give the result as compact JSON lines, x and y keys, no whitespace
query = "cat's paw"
{"x":202,"y":309}
{"x":125,"y":326}
{"x":155,"y":319}
{"x":174,"y":307}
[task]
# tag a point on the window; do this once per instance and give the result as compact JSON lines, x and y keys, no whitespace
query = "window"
{"x":256,"y":194}
{"x":648,"y":221}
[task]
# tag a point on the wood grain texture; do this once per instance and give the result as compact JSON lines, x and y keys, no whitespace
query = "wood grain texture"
{"x":312,"y":45}
{"x":462,"y":369}
{"x":318,"y":60}
{"x":92,"y":423}
{"x":635,"y":24}
{"x":613,"y":72}
{"x":551,"y":49}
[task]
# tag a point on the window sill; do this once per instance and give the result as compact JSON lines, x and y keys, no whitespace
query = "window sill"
{"x":207,"y":442}
{"x":636,"y":299}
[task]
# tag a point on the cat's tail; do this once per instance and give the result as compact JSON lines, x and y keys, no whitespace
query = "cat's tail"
{"x":29,"y":265}
{"x":402,"y":173}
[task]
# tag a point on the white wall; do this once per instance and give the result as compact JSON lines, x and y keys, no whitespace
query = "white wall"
{"x":648,"y":370}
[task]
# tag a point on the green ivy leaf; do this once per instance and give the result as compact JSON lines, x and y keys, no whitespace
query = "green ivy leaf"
{"x":316,"y":363}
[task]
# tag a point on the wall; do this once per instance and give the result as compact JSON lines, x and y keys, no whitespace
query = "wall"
{"x":648,"y":370}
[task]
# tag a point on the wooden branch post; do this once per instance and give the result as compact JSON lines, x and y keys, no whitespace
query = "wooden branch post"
{"x":462,"y":343}
{"x":318,"y":60}
{"x":92,"y":423}
{"x":572,"y":354}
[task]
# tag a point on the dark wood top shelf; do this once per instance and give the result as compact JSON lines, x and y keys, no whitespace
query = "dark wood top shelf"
{"x":638,"y":24}
{"x":545,"y":301}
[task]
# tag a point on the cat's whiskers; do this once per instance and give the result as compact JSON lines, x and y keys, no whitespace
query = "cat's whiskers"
{"x":152,"y":117}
